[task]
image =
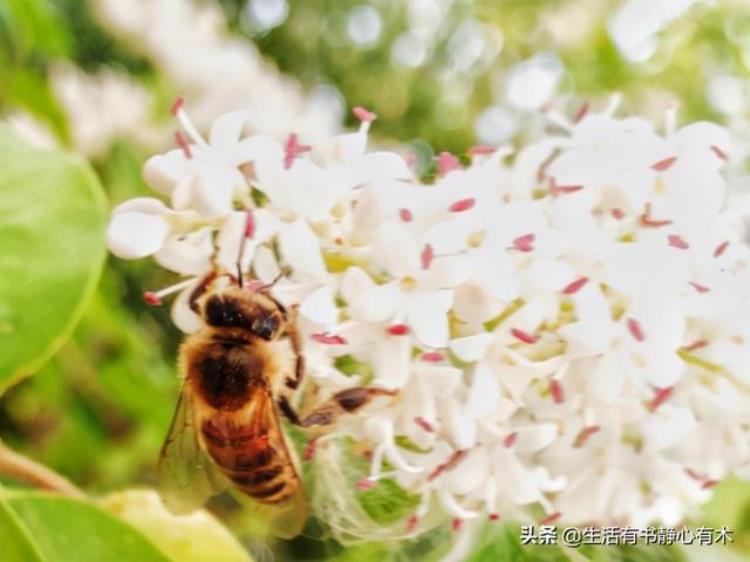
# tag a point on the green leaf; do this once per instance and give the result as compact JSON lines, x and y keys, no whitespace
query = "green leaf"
{"x":196,"y":537}
{"x":17,"y":545}
{"x":52,"y":218}
{"x":58,"y":529}
{"x":405,"y":443}
{"x":387,"y":502}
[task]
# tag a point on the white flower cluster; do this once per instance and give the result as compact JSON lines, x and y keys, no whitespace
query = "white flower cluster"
{"x":568,"y":324}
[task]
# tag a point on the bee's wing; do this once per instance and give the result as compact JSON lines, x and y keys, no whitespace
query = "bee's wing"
{"x":186,"y":475}
{"x":286,"y":519}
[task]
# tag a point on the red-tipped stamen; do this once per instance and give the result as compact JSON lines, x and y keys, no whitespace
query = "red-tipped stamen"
{"x":152,"y":299}
{"x":398,"y":329}
{"x":584,"y":435}
{"x":446,"y":162}
{"x":310,"y":449}
{"x":524,"y":243}
{"x":662,"y":165}
{"x":619,"y":214}
{"x":582,"y":112}
{"x":698,"y":287}
{"x":646,"y":219}
{"x":556,"y":391}
{"x":709,"y":484}
{"x":456,"y":524}
{"x":449,"y":464}
{"x":719,"y":152}
{"x":411,"y":523}
{"x":556,"y":189}
{"x":696,"y":345}
{"x":635,"y":329}
{"x":364,"y":115}
{"x":405,"y":215}
{"x":365,"y":484}
{"x":329,"y":339}
{"x":575,"y":286}
{"x":293,"y":149}
{"x":182,"y":142}
{"x":432,"y":356}
{"x":660,"y":396}
{"x":176,"y":106}
{"x":677,"y":242}
{"x":481,"y":150}
{"x":510,"y":439}
{"x":424,"y":424}
{"x":249,"y":224}
{"x":462,"y":205}
{"x":494,"y":517}
{"x":427,"y":256}
{"x":551,"y":518}
{"x":694,"y":475}
{"x":721,"y":248}
{"x":525,"y":337}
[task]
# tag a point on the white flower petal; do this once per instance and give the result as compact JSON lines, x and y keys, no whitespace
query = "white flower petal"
{"x":133,"y":235}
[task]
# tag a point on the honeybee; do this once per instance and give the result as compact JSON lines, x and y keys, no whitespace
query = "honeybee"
{"x":226,"y":430}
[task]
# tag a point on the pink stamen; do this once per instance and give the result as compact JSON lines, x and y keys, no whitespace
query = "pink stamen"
{"x":182,"y":142}
{"x":249,"y":224}
{"x":556,"y":390}
{"x":293,"y":149}
{"x":575,"y":286}
{"x":411,"y":523}
{"x":255,"y":285}
{"x":432,"y":356}
{"x":427,"y":256}
{"x":635,"y":329}
{"x":176,"y":106}
{"x":524,"y":243}
{"x":662,"y":165}
{"x":365,"y":484}
{"x":555,"y":189}
{"x":510,"y":439}
{"x":696,"y":345}
{"x":312,"y":446}
{"x":660,"y":396}
{"x":709,"y":484}
{"x":699,"y":288}
{"x":449,"y":464}
{"x":481,"y":150}
{"x":676,"y":242}
{"x":364,"y":115}
{"x":398,"y":329}
{"x":694,"y":475}
{"x":581,"y":113}
{"x":462,"y":205}
{"x":584,"y":435}
{"x":424,"y":424}
{"x":646,"y":219}
{"x":719,"y":152}
{"x":446,"y":162}
{"x":525,"y":337}
{"x":405,"y":215}
{"x":329,"y":339}
{"x":152,"y":299}
{"x":721,"y":248}
{"x":456,"y":524}
{"x":551,"y":518}
{"x":618,"y":213}
{"x":494,"y":517}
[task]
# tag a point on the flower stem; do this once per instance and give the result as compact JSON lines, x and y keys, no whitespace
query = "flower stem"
{"x":24,"y":469}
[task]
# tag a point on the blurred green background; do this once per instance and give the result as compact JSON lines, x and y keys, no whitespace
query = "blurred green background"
{"x":97,"y":78}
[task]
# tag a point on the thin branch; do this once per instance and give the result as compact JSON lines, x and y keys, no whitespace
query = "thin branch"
{"x":24,"y":469}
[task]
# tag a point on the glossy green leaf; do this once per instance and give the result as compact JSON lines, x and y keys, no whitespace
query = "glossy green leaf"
{"x":52,"y":528}
{"x":52,"y":218}
{"x":387,"y":502}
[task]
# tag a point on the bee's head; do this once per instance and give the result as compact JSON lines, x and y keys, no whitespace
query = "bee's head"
{"x":224,"y":304}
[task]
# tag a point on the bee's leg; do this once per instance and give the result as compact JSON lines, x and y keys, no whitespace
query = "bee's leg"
{"x":346,"y":401}
{"x":295,"y":339}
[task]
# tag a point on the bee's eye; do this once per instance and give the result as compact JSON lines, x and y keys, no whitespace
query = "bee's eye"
{"x":266,"y":326}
